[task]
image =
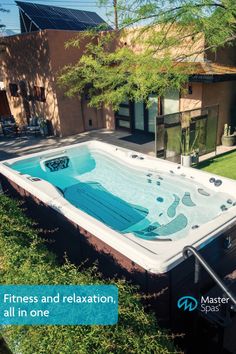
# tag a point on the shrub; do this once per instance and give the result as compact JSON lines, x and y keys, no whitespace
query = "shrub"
{"x":24,"y":259}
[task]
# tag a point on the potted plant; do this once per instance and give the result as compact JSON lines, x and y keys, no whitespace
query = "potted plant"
{"x":227,"y":138}
{"x":187,"y":149}
{"x":195,"y":156}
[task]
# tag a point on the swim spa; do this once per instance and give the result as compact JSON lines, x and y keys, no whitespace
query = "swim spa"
{"x":144,"y":208}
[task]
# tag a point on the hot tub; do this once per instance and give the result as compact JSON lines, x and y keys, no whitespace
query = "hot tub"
{"x":142,"y":209}
{"x":145,"y":208}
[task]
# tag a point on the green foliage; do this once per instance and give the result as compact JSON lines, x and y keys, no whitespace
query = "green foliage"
{"x":113,"y":67}
{"x":110,"y":77}
{"x":187,"y":147}
{"x":24,"y":259}
{"x":227,"y":130}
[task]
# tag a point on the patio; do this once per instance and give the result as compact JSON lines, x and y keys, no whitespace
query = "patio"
{"x":13,"y":147}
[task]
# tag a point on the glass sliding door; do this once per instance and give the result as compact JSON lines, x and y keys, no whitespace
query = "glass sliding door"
{"x":171,"y":102}
{"x":139,"y":116}
{"x":123,"y":111}
{"x":123,"y":116}
{"x":152,"y":112}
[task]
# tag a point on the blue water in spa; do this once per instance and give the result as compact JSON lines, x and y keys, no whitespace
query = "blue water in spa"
{"x":149,"y":205}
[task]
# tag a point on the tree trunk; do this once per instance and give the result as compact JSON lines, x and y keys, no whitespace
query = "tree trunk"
{"x":115,"y":15}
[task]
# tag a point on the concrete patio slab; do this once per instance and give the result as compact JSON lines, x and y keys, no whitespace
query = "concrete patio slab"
{"x":13,"y":147}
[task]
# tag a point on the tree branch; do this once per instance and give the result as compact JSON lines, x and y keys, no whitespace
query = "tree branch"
{"x":178,"y":8}
{"x":183,"y":57}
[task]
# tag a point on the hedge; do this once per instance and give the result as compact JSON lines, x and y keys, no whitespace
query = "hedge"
{"x":25,"y":259}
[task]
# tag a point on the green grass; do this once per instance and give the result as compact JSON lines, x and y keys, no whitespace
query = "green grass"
{"x":224,"y":165}
{"x":25,"y":259}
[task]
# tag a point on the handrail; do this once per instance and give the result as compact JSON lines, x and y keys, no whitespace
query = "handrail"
{"x":187,"y":111}
{"x":186,"y":253}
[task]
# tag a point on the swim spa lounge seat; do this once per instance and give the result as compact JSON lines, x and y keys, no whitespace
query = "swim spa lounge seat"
{"x":95,"y":200}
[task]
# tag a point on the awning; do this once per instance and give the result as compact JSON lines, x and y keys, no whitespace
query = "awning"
{"x":212,"y":72}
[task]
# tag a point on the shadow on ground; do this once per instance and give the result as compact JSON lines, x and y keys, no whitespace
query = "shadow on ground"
{"x":208,"y":162}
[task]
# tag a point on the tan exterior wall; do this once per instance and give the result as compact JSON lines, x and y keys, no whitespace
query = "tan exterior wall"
{"x":37,"y":58}
{"x":109,"y":117}
{"x":223,"y":94}
{"x":224,"y":56}
{"x":194,"y":100}
{"x":203,"y":95}
{"x":27,"y":58}
{"x":187,"y":45}
{"x":73,"y":118}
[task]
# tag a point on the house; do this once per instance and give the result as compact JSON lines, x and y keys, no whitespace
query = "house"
{"x":4,"y":105}
{"x":212,"y":81}
{"x":31,"y":63}
{"x":33,"y":59}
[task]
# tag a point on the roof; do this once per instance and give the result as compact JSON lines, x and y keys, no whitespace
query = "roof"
{"x":209,"y":68}
{"x":35,"y":17}
{"x":208,"y":71}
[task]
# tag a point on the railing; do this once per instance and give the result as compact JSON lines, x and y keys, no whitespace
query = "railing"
{"x":199,"y":260}
{"x":202,"y":123}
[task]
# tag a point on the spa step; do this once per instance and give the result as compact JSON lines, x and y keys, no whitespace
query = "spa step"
{"x":95,"y":200}
{"x":226,"y":314}
{"x":222,"y":323}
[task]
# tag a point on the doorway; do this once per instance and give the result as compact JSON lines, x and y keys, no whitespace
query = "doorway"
{"x":139,"y":117}
{"x":144,"y":116}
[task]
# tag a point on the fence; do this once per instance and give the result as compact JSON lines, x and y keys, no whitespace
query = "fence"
{"x":202,"y":126}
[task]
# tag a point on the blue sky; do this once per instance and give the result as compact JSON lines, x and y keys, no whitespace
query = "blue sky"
{"x":11,"y":19}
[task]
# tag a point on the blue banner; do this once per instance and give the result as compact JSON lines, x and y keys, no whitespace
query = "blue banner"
{"x":58,"y":304}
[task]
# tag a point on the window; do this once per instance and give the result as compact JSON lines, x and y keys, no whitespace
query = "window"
{"x":124,"y":124}
{"x":123,"y":111}
{"x":171,"y":101}
{"x":152,"y":112}
{"x":39,"y":94}
{"x":13,"y":90}
{"x":123,"y":119}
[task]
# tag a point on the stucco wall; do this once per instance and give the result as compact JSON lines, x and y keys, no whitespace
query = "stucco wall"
{"x":73,"y":118}
{"x":225,"y":55}
{"x":203,"y":95}
{"x":194,"y":100}
{"x":223,"y":94}
{"x":27,"y":58}
{"x":37,"y":59}
{"x":138,"y":39}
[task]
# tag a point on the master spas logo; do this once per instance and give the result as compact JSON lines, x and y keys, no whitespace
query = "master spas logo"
{"x":187,"y":303}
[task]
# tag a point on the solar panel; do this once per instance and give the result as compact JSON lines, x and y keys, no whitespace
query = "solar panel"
{"x":53,"y":17}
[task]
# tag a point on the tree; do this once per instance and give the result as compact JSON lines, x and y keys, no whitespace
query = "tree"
{"x":153,"y":50}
